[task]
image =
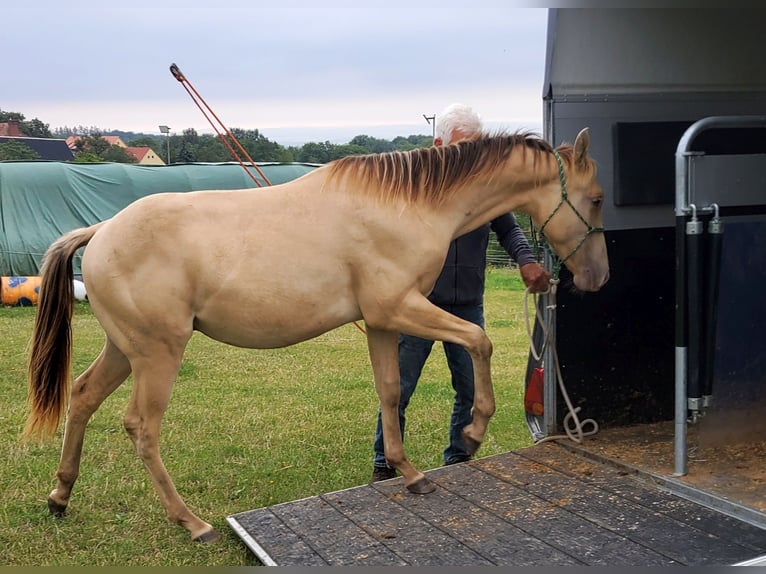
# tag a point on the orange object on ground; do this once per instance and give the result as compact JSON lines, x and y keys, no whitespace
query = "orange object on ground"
{"x":533,"y":398}
{"x":19,"y":291}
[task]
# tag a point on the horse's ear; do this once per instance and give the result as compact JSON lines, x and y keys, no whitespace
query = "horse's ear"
{"x":582,"y":142}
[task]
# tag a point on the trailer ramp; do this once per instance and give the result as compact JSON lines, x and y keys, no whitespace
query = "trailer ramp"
{"x":542,"y":505}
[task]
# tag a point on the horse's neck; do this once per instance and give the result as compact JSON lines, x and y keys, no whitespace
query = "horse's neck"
{"x":519,"y":188}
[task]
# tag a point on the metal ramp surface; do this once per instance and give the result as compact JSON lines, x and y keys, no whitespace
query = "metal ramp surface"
{"x":543,"y":505}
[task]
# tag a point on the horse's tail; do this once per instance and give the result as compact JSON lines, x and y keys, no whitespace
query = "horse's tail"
{"x":51,"y":346}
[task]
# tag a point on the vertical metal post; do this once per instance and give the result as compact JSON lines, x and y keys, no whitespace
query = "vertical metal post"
{"x":679,"y":443}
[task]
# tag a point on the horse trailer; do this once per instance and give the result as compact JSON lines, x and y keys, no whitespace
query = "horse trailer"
{"x":669,"y":358}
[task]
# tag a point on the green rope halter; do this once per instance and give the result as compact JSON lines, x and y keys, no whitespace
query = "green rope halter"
{"x":558,"y":262}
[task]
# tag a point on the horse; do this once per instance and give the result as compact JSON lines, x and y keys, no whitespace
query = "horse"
{"x":360,"y":238}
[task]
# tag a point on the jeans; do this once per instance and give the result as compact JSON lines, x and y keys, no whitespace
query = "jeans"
{"x":413,"y":352}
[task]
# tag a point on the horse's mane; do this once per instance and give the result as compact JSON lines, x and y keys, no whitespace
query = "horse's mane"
{"x":430,"y":174}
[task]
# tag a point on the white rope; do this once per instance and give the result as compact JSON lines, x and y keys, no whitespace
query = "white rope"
{"x":573,"y":426}
{"x":545,"y":328}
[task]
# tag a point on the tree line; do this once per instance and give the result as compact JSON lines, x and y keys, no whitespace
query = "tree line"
{"x":191,"y":146}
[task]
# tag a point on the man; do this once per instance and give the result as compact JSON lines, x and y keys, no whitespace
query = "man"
{"x":459,"y":289}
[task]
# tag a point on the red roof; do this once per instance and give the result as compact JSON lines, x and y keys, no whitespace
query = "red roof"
{"x":138,"y":152}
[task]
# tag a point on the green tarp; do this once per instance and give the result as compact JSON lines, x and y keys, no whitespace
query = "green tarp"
{"x":39,"y":201}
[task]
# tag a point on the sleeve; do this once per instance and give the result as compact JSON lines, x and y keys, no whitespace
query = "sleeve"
{"x":512,"y":238}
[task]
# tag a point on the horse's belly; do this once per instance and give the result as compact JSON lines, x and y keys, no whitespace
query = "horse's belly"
{"x":271,"y":322}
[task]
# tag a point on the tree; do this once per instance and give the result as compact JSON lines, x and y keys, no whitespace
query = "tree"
{"x":146,"y":141}
{"x":94,"y":148}
{"x":313,"y":152}
{"x":412,"y":142}
{"x":66,"y":131}
{"x":14,"y":150}
{"x":11,"y":116}
{"x":258,"y":146}
{"x":33,"y":128}
{"x":371,"y":144}
{"x":117,"y":154}
{"x":87,"y":157}
{"x":348,"y":149}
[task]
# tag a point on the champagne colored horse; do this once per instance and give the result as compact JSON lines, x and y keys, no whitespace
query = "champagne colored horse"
{"x":361,"y":238}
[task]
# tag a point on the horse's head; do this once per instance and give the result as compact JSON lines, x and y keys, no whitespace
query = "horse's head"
{"x":572,"y":218}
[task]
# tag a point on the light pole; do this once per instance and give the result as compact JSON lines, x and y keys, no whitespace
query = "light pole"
{"x":166,"y":130}
{"x":431,"y":120}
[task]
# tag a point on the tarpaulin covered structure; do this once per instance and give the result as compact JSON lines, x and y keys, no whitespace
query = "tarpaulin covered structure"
{"x":39,"y":201}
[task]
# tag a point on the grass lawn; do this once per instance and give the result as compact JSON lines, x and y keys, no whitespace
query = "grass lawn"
{"x":245,"y":429}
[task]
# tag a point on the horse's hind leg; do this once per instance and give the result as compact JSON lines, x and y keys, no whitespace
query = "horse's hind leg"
{"x":384,"y":348}
{"x":105,"y":374}
{"x":153,"y":379}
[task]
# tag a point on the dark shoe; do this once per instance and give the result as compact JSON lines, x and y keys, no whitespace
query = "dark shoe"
{"x":457,"y":460}
{"x":382,"y":473}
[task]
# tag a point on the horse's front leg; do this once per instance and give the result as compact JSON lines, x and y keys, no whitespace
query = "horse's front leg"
{"x":418,"y":316}
{"x":483,"y":396}
{"x":384,"y":356}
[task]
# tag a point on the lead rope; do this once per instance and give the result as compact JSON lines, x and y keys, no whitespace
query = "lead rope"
{"x":573,"y":426}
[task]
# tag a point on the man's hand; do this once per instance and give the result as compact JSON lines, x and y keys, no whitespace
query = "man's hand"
{"x":535,"y":277}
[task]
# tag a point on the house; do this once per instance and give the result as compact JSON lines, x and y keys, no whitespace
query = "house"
{"x":144,"y":155}
{"x":10,"y":128}
{"x":48,"y":149}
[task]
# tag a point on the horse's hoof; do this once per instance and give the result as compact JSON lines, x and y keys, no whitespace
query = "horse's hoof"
{"x":421,"y":486}
{"x":471,"y":445}
{"x":207,"y":537}
{"x":55,"y":508}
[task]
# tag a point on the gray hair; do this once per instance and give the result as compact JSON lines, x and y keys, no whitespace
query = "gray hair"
{"x":457,"y":117}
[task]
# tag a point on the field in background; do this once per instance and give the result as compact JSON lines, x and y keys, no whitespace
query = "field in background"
{"x":244,"y":429}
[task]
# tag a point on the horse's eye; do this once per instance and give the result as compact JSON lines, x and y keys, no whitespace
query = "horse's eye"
{"x":597,"y":201}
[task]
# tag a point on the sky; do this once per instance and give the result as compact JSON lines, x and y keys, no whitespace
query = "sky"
{"x":296,"y":70}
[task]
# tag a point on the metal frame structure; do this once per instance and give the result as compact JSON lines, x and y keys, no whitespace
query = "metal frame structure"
{"x":695,"y":196}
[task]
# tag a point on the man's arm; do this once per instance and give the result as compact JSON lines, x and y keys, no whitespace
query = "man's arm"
{"x":513,"y":240}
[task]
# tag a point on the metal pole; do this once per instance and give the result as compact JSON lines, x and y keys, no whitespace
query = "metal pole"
{"x":432,"y":121}
{"x":166,"y":130}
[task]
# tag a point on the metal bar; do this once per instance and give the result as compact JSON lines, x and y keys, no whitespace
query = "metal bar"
{"x":681,"y":343}
{"x":200,"y":101}
{"x":684,"y":149}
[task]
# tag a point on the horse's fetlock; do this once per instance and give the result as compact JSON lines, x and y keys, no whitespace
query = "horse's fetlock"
{"x":67,"y":478}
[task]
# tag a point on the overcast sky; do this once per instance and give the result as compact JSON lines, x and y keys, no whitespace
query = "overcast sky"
{"x":297,"y":70}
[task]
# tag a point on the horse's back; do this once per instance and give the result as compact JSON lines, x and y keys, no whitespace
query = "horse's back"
{"x":254,"y":268}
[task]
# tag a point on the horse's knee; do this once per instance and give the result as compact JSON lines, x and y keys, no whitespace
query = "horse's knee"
{"x":482,"y":346}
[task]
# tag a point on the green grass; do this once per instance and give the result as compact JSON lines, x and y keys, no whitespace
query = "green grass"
{"x":245,"y":429}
